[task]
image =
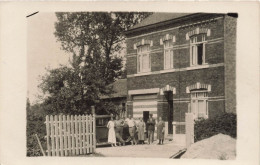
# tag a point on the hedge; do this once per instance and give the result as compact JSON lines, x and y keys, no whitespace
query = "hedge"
{"x":225,"y":123}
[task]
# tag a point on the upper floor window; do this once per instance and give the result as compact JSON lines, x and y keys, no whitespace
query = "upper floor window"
{"x":199,"y":104}
{"x":197,"y":49}
{"x":168,"y":54}
{"x":143,"y":58}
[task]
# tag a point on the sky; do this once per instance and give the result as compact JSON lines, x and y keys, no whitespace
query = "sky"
{"x":42,"y":50}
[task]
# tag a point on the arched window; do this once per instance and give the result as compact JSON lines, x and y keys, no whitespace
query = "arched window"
{"x":143,"y":55}
{"x":198,"y":41}
{"x":168,"y":55}
{"x":199,"y":99}
{"x":143,"y":58}
{"x":199,"y":103}
{"x":197,"y":49}
{"x":167,"y":42}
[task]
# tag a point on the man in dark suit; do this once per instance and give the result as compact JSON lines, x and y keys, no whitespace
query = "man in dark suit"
{"x":151,"y":128}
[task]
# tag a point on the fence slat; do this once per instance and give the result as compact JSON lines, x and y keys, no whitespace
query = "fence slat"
{"x":48,"y":135}
{"x":65,"y":133}
{"x":69,"y":135}
{"x":90,"y":132}
{"x":94,"y":132}
{"x":52,"y":137}
{"x":61,"y":136}
{"x":72,"y":135}
{"x":77,"y":134}
{"x":87,"y":133}
{"x":56,"y":135}
{"x":80,"y":135}
{"x":83,"y":120}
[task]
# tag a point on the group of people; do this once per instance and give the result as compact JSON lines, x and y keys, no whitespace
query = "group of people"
{"x":136,"y":130}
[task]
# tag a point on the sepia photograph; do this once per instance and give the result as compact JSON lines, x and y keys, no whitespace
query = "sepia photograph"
{"x":132,"y":84}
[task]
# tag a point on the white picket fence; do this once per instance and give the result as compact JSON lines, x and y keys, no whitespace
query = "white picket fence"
{"x":70,"y":135}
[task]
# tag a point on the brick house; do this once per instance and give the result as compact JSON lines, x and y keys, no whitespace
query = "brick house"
{"x":181,"y":62}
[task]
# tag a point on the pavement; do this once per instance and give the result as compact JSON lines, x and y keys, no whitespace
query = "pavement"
{"x":153,"y":150}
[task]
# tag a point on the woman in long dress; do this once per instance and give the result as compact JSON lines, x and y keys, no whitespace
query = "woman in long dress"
{"x":140,"y":129}
{"x":111,"y":132}
{"x":160,"y":129}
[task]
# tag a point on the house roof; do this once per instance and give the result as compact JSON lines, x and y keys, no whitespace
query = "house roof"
{"x":159,"y":17}
{"x":119,"y":88}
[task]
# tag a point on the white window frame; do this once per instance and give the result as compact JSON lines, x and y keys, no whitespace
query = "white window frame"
{"x":140,"y":55}
{"x":168,"y":48}
{"x":196,"y":98}
{"x":194,"y":50}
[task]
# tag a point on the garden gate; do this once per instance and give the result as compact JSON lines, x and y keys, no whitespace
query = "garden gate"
{"x":189,"y":126}
{"x":70,"y":135}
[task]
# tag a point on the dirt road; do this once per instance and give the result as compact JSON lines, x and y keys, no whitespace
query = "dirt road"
{"x":145,"y":150}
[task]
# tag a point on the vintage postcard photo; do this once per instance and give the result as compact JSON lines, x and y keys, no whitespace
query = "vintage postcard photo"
{"x":130,"y":83}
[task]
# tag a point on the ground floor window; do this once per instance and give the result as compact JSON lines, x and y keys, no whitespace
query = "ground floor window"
{"x":199,"y":104}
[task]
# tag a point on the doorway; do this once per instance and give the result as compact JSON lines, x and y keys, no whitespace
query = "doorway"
{"x":170,"y":116}
{"x":145,"y":118}
{"x":170,"y":112}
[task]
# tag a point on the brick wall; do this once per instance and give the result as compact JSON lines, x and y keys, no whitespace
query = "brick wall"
{"x":215,"y":76}
{"x":230,"y":63}
{"x":180,"y":80}
{"x":214,"y":51}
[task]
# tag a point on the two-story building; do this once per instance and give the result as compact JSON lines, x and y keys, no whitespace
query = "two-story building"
{"x":179,"y":63}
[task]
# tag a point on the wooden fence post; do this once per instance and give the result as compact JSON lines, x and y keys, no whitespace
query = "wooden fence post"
{"x":84,"y":133}
{"x":87,"y":134}
{"x":56,"y":135}
{"x":61,"y":136}
{"x":90,"y":132}
{"x":48,"y":135}
{"x":69,"y":135}
{"x":52,"y":137}
{"x":72,"y":135}
{"x":80,"y":135}
{"x":65,"y":135}
{"x":77,"y":134}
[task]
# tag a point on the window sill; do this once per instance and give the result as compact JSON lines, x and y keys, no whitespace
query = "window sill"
{"x":177,"y":70}
{"x":168,"y":68}
{"x":198,"y":66}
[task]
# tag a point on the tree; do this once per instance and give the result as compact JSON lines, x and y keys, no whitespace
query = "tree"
{"x":98,"y":35}
{"x":95,"y":40}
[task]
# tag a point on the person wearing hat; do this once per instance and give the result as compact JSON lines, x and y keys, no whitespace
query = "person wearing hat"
{"x":151,"y":128}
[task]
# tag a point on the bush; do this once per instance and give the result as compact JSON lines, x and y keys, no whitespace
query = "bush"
{"x":225,"y":123}
{"x":35,"y":125}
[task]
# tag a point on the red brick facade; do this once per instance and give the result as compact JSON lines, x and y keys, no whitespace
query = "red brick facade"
{"x":218,"y":72}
